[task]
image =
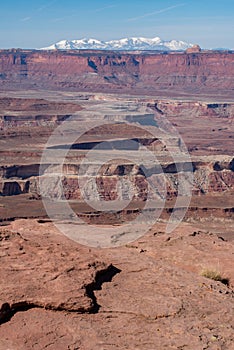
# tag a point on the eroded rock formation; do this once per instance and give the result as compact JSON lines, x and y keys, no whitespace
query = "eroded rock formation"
{"x":97,"y":71}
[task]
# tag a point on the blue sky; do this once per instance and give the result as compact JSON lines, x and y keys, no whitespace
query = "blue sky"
{"x":34,"y":24}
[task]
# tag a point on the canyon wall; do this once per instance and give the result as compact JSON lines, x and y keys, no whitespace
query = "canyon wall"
{"x":149,"y":73}
{"x":209,"y":178}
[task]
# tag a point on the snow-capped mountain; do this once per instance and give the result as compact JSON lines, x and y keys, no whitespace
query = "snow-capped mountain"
{"x":122,"y":44}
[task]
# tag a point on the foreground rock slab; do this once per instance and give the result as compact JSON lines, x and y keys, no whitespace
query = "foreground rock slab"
{"x":43,"y":271}
{"x":145,"y":295}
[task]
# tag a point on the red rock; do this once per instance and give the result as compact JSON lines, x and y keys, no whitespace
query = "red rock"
{"x":40,"y":272}
{"x":194,"y":49}
{"x":148,"y":73}
{"x":158,"y":300}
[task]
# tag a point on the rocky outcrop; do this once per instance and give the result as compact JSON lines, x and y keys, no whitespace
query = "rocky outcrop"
{"x":149,"y":294}
{"x":172,"y":108}
{"x":110,"y":71}
{"x":209,"y":178}
{"x":194,"y":49}
{"x":14,"y":188}
{"x":40,"y":283}
{"x":24,"y":114}
{"x":20,"y":171}
{"x":36,"y":105}
{"x":9,"y":122}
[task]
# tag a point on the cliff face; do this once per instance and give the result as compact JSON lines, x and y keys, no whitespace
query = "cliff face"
{"x":98,"y":71}
{"x":209,"y":178}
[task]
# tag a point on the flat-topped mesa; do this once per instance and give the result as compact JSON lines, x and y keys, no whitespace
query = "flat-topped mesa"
{"x":149,"y":73}
{"x":194,"y":49}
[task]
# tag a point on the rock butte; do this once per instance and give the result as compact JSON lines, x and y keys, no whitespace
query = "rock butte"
{"x":149,"y":294}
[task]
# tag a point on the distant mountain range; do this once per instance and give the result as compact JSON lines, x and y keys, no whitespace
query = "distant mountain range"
{"x":126,"y":44}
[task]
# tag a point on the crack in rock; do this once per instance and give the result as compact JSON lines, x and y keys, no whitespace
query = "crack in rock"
{"x":102,"y":276}
{"x":7,"y":311}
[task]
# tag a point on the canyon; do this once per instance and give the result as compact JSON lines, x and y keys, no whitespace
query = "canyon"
{"x":141,"y":132}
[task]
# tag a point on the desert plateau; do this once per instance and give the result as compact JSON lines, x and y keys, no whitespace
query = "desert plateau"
{"x":107,"y":282}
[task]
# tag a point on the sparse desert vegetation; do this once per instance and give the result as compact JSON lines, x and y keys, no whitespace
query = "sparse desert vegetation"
{"x":214,"y":275}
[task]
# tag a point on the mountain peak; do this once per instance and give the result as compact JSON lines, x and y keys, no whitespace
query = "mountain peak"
{"x":126,"y":44}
